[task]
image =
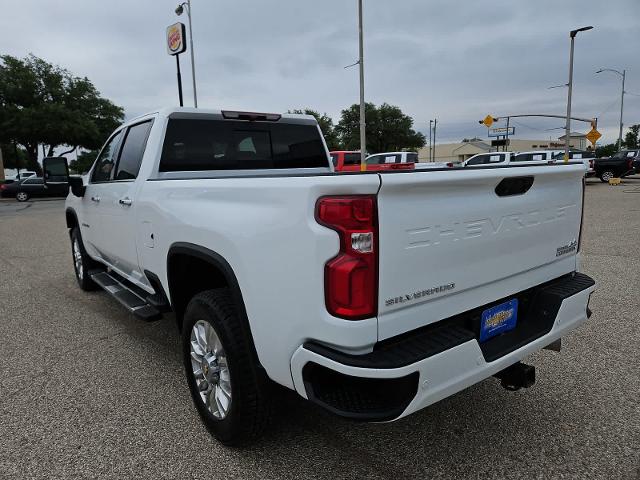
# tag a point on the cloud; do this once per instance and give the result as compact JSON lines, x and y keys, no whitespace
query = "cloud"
{"x":456,"y":61}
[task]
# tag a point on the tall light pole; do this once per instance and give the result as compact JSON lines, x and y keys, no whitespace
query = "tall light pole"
{"x":572,"y":34}
{"x":623,"y":74}
{"x":363,"y":134}
{"x":430,"y":142}
{"x":179,"y":10}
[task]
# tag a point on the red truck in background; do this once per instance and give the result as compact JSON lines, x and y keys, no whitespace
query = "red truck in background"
{"x":349,"y":161}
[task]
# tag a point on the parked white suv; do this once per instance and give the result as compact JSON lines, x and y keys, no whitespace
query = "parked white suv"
{"x":535,"y":156}
{"x":372,"y":295}
{"x":492,"y":158}
{"x":392,"y":157}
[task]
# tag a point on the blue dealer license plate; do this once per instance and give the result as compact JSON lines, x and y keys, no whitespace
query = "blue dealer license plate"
{"x":498,"y":319}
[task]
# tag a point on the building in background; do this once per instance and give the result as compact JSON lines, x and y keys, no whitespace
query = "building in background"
{"x":458,"y":152}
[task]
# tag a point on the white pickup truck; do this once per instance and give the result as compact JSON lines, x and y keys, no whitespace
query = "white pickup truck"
{"x":371,"y":294}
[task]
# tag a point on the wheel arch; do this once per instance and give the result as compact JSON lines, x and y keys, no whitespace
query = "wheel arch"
{"x":223,"y":275}
{"x":191,"y":260}
{"x":71,"y":217}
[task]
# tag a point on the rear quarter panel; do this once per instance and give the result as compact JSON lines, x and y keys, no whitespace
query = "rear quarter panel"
{"x":266,"y":230}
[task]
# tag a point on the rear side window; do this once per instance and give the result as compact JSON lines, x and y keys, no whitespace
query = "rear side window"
{"x":352,"y":159}
{"x":412,"y":157}
{"x":197,"y":144}
{"x":132,"y":150}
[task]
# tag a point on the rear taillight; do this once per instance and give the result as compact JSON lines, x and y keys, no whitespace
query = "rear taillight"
{"x":351,"y":277}
{"x":2,"y":186}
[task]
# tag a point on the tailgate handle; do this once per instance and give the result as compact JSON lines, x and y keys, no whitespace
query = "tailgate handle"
{"x":514,"y":186}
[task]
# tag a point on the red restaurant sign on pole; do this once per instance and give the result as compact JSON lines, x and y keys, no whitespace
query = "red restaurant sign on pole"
{"x":175,"y":46}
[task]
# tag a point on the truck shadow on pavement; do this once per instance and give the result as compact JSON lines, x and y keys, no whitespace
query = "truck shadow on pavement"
{"x":481,"y":428}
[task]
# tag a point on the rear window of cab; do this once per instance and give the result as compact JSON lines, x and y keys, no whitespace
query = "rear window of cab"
{"x":203,"y":144}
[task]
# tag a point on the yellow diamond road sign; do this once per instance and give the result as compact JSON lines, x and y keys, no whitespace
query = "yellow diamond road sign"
{"x":593,"y":136}
{"x":488,"y":121}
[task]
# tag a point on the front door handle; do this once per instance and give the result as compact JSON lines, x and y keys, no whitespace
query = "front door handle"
{"x":126,"y":201}
{"x":95,"y":199}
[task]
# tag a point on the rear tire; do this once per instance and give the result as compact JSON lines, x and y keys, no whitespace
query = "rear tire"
{"x":231,"y":393}
{"x":606,"y":175}
{"x":82,"y":263}
{"x":22,"y":196}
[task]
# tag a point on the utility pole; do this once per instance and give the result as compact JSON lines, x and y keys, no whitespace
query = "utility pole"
{"x":624,"y":74}
{"x":430,"y":143}
{"x":363,"y":134}
{"x":1,"y":166}
{"x":435,"y":124}
{"x":506,"y":143}
{"x":572,"y":35}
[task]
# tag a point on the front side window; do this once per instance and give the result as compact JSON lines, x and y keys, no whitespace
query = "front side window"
{"x":103,"y":169}
{"x":132,"y":151}
{"x":412,"y":157}
{"x":202,"y":144}
{"x":33,"y":181}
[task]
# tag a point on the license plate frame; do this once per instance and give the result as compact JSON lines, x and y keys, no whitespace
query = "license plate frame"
{"x":498,"y":319}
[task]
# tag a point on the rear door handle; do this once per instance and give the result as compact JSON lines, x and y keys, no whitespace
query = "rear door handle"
{"x":95,"y":199}
{"x":126,"y":201}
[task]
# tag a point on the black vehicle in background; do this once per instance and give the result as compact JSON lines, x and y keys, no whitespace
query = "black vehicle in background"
{"x":619,"y":165}
{"x":33,"y":187}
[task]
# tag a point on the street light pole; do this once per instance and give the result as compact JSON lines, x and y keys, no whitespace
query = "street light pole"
{"x":363,"y":135}
{"x":193,"y":64}
{"x":572,"y":35}
{"x":623,"y":74}
{"x":430,"y":142}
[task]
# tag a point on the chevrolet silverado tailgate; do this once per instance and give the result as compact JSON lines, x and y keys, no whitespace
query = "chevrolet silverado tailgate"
{"x":453,"y":240}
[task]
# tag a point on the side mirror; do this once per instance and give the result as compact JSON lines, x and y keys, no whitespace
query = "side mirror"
{"x":56,"y":172}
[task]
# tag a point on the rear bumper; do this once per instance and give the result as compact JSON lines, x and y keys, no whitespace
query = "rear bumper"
{"x":410,"y":372}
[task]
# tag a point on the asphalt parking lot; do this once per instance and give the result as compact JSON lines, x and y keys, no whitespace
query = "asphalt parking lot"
{"x":88,"y":391}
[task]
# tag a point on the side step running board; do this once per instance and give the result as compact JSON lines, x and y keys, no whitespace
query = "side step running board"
{"x":131,"y":300}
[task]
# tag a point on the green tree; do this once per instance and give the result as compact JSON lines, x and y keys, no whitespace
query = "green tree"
{"x":632,"y":138}
{"x":326,"y":126}
{"x":13,"y":156}
{"x":606,"y":150}
{"x":45,"y":105}
{"x":84,"y":161}
{"x":387,"y":129}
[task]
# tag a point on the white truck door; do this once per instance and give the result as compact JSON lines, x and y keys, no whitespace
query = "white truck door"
{"x":117,"y":205}
{"x":101,"y":176}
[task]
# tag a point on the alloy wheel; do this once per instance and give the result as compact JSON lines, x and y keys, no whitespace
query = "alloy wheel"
{"x":210,"y":369}
{"x":77,"y":259}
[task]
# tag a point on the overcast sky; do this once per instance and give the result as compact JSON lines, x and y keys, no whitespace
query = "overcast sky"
{"x":454,"y":60}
